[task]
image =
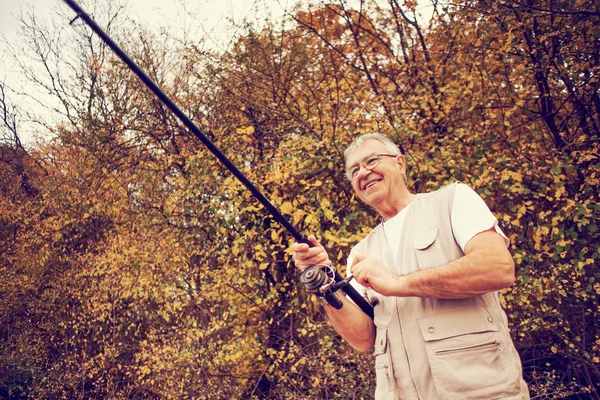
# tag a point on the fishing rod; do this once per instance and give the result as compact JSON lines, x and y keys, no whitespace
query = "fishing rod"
{"x":323,"y":280}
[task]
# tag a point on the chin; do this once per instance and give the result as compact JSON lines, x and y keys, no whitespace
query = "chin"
{"x":373,"y":202}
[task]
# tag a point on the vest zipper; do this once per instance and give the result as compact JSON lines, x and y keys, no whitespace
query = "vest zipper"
{"x":472,"y":347}
{"x":406,"y":353}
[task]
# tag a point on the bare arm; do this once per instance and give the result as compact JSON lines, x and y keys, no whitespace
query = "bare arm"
{"x":350,"y":322}
{"x":486,"y":266}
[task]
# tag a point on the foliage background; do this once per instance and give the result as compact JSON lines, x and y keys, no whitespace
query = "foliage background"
{"x":132,"y":265}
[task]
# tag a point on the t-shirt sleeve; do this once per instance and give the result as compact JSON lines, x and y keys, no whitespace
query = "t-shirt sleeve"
{"x":470,"y":216}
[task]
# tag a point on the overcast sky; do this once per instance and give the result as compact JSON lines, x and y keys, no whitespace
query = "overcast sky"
{"x":214,"y":20}
{"x":154,"y":12}
{"x":213,"y":15}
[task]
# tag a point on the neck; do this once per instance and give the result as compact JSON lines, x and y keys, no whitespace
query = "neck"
{"x":400,"y":202}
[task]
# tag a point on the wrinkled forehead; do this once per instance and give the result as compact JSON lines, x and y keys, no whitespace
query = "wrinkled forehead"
{"x":367,"y":148}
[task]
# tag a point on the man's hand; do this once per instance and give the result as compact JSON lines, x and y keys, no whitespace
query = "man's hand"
{"x":369,"y":272}
{"x":486,"y":266}
{"x":349,"y":321}
{"x":305,"y":256}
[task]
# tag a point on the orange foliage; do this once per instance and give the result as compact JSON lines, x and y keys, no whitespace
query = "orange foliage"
{"x":134,"y":265}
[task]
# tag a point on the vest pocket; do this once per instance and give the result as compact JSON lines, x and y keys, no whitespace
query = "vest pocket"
{"x":385,"y":388}
{"x":425,"y":239}
{"x":428,"y":251}
{"x":467,"y":357}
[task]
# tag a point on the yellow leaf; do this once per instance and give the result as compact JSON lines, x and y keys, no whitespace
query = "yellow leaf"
{"x":274,"y":236}
{"x":245,"y":130}
{"x":286,"y":208}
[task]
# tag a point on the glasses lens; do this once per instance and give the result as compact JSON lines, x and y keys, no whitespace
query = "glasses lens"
{"x":371,"y":162}
{"x":352,"y":173}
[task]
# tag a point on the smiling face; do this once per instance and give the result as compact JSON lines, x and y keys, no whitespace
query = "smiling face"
{"x":383,"y":188}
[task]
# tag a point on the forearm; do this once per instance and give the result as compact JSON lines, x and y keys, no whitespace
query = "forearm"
{"x":352,"y":324}
{"x":473,"y":274}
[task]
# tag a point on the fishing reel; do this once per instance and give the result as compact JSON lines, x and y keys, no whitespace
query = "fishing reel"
{"x":320,"y":280}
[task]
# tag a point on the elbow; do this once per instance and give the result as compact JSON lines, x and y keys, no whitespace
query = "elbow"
{"x":364,"y":346}
{"x":366,"y":342}
{"x":362,"y":350}
{"x":508,"y":276}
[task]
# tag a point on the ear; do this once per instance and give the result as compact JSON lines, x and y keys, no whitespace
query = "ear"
{"x":401,"y":162}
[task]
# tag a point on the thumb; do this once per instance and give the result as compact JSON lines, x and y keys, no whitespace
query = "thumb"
{"x":314,"y":241}
{"x":358,"y":258}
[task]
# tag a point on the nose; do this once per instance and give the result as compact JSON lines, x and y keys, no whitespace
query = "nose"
{"x":362,"y":171}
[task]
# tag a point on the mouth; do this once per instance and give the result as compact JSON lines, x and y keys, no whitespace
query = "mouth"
{"x":370,"y":184}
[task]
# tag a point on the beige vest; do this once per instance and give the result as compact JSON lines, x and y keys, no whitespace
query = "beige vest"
{"x":429,"y":348}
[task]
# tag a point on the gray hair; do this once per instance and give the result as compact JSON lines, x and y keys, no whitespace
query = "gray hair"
{"x":391,"y":146}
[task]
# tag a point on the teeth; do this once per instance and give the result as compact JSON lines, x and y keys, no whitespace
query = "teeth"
{"x":370,"y":184}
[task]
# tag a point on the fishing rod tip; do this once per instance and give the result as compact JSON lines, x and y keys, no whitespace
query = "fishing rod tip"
{"x":74,"y":19}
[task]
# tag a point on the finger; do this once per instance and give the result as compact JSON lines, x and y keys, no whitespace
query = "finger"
{"x":303,"y":260}
{"x":317,"y":250}
{"x":362,"y":278}
{"x":313,"y":240}
{"x":300,"y":247}
{"x":358,"y":257}
{"x":303,"y":247}
{"x":310,"y":253}
{"x":317,"y":259}
{"x":359,"y":269}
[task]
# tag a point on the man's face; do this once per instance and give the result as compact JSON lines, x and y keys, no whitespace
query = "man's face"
{"x":378,"y":186}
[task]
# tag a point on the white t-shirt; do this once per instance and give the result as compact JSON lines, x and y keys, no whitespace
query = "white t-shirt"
{"x":470,"y":216}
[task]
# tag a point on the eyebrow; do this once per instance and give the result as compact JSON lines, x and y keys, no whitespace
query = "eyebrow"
{"x":358,"y":163}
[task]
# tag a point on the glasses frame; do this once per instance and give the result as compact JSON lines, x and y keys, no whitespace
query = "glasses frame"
{"x":362,"y":165}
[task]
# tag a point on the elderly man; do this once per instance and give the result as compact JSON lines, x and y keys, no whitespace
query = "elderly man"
{"x":431,"y":270}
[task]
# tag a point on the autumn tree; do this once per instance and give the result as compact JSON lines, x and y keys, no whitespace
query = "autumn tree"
{"x":136,"y":266}
{"x":486,"y":95}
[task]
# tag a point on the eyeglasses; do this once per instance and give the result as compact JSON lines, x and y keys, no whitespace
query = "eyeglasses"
{"x":368,"y":163}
